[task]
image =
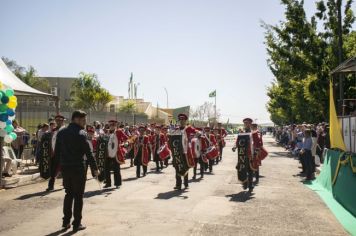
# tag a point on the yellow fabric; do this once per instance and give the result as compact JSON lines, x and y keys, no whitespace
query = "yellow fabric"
{"x":336,"y":139}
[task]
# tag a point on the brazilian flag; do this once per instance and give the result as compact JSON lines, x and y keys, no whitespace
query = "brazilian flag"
{"x":212,"y":94}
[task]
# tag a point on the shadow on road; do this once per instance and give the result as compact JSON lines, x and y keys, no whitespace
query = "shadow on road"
{"x":38,"y":194}
{"x":171,"y":194}
{"x":197,"y":180}
{"x":243,"y":196}
{"x":61,"y":232}
{"x":105,"y":192}
{"x":130,"y":179}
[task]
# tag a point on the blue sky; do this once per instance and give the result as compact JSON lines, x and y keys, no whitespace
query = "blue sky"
{"x":191,"y":47}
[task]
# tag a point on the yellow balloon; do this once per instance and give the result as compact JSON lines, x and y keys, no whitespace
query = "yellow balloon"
{"x":1,"y":86}
{"x":12,"y":104}
{"x":13,"y":98}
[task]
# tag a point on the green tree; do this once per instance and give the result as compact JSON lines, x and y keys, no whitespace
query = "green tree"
{"x":88,"y":94}
{"x":301,"y":58}
{"x":28,"y":76}
{"x":128,"y":107}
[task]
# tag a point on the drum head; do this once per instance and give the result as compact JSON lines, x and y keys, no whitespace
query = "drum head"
{"x":113,"y":145}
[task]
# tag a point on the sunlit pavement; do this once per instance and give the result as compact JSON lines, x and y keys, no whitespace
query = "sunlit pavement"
{"x":215,"y":205}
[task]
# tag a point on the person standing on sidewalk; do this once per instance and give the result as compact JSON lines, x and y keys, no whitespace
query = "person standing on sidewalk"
{"x":54,"y":164}
{"x":71,"y":147}
{"x":306,"y":153}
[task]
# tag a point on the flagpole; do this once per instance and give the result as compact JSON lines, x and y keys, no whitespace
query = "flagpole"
{"x":215,"y":108}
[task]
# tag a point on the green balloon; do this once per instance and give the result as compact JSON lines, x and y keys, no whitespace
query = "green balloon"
{"x":13,"y":135}
{"x":9,"y":92}
{"x":3,"y":107}
{"x":9,"y":128}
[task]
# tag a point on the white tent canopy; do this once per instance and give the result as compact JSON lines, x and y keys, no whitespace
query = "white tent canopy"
{"x":10,"y":80}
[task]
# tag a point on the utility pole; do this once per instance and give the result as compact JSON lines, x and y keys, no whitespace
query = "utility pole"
{"x":165,"y":89}
{"x":340,"y":45}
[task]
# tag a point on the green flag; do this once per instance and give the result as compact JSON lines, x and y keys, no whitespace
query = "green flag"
{"x":212,"y":94}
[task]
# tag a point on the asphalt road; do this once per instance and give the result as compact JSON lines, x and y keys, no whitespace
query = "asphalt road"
{"x":216,"y":205}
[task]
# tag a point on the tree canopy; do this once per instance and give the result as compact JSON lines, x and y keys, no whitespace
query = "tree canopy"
{"x":301,"y":54}
{"x":88,"y":94}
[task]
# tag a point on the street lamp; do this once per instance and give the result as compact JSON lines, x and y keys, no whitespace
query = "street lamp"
{"x":165,"y":89}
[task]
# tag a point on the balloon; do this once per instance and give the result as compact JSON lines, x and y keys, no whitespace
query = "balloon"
{"x":8,"y":122}
{"x":9,"y":92}
{"x":1,"y":85}
{"x":8,"y":139}
{"x":9,"y":128}
{"x":12,"y":117}
{"x":4,"y":117}
{"x":2,"y":125}
{"x":10,"y":112}
{"x":3,"y":108}
{"x":4,"y":99}
{"x":12,"y":104}
{"x":13,"y":135}
{"x":3,"y":133}
{"x":13,"y":98}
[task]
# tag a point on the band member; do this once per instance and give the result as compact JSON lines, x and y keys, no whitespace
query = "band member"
{"x":221,"y":134}
{"x":156,"y":144}
{"x":210,"y":138}
{"x":91,"y":138}
{"x":111,"y":161}
{"x":197,"y":148}
{"x":141,"y":152}
{"x":244,"y":167}
{"x":164,"y":141}
{"x":187,"y":132}
{"x":59,"y":119}
{"x":259,"y":153}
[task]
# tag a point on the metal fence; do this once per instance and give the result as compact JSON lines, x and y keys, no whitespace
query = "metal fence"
{"x":348,"y":126}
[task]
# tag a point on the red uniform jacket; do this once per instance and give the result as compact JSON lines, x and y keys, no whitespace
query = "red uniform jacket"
{"x":121,"y":151}
{"x":145,"y":153}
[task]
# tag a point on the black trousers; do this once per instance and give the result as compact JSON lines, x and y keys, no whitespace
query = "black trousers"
{"x":74,"y":184}
{"x":221,"y":151}
{"x":211,"y":163}
{"x":138,"y":170}
{"x":309,"y":163}
{"x":201,"y":165}
{"x":166,"y":162}
{"x":54,"y":165}
{"x":159,"y":165}
{"x":179,"y":180}
{"x":111,"y":163}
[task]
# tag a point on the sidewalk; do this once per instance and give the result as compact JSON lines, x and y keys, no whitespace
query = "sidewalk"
{"x":29,"y":175}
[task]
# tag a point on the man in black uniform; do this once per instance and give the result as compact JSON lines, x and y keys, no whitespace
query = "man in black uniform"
{"x":71,"y":147}
{"x":246,"y":169}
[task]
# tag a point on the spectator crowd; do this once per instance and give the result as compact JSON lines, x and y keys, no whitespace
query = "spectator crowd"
{"x":305,"y":142}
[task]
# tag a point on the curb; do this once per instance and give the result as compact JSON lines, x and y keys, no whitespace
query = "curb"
{"x":21,"y":181}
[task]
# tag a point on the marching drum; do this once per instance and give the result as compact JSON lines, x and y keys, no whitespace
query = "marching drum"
{"x":113,"y":145}
{"x":163,"y":152}
{"x":196,"y":148}
{"x":212,"y":153}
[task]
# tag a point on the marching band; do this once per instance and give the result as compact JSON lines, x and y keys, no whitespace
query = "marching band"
{"x":185,"y":145}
